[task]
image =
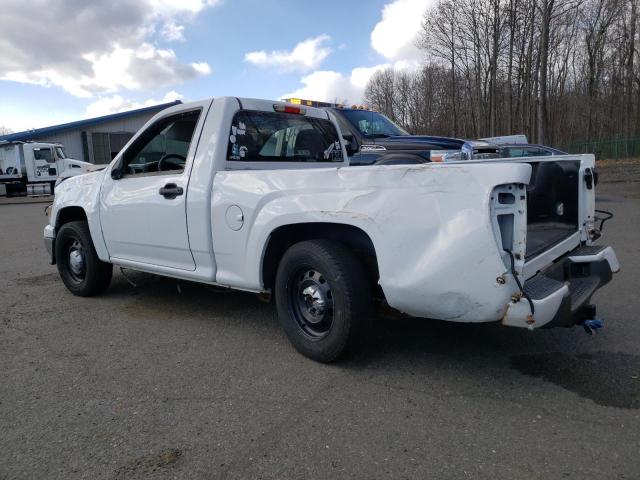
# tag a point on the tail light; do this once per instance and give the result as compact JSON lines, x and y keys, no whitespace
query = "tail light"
{"x":289,"y":109}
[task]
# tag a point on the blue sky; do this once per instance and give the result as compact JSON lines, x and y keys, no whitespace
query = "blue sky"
{"x":99,"y":59}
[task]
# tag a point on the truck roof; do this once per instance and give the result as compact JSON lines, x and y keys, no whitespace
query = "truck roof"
{"x":247,"y":103}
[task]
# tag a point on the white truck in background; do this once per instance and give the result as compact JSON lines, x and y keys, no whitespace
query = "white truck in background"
{"x":33,"y":168}
{"x":261,"y":196}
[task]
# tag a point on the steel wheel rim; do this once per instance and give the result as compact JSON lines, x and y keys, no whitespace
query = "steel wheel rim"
{"x":311,"y":302}
{"x":76,"y":261}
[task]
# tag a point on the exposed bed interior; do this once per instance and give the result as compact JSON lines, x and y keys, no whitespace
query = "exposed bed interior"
{"x":552,"y":204}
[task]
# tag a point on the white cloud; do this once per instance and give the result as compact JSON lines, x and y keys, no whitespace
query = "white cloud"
{"x":146,"y":67}
{"x":117,"y":103}
{"x":306,"y":55}
{"x":202,"y":68}
{"x":167,"y":11}
{"x":20,"y":119}
{"x":97,"y":48}
{"x":170,"y":7}
{"x":394,"y":36}
{"x":330,"y":86}
{"x":172,"y":32}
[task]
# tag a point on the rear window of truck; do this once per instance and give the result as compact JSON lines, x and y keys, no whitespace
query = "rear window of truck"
{"x":257,"y":136}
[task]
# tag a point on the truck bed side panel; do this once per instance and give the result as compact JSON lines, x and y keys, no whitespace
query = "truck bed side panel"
{"x":429,"y":224}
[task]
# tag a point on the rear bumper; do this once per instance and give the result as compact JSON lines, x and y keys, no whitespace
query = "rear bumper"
{"x":49,"y":243}
{"x":561,"y":293}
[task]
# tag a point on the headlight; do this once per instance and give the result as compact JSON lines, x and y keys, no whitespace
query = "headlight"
{"x":47,"y":211}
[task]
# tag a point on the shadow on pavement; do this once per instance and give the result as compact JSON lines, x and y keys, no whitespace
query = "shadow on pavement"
{"x":396,"y":342}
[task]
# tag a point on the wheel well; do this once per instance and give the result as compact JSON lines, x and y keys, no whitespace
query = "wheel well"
{"x":70,"y":214}
{"x":352,"y":237}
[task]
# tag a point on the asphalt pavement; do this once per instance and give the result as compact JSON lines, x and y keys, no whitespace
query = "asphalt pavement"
{"x":153,"y":381}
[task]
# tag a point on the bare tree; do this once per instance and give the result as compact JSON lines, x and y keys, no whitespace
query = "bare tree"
{"x":559,"y":71}
{"x":379,"y":92}
{"x":597,"y":17}
{"x":629,"y":23}
{"x":440,"y":36}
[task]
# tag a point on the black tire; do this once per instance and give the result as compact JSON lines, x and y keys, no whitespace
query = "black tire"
{"x":90,"y":276}
{"x":324,"y":270}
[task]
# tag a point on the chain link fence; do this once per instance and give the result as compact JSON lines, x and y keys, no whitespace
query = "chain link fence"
{"x":613,"y":148}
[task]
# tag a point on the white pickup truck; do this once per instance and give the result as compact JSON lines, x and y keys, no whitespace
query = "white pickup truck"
{"x":258,"y":195}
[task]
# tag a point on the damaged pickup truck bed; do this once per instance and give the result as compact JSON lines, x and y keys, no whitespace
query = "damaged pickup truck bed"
{"x":258,"y":195}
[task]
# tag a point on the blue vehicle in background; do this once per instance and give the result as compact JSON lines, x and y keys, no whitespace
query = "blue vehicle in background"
{"x":374,"y":139}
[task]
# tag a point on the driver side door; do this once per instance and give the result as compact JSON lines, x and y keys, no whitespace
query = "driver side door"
{"x":143,"y":201}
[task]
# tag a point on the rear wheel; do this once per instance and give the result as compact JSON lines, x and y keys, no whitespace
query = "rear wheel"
{"x":82,"y":272}
{"x":323,"y":298}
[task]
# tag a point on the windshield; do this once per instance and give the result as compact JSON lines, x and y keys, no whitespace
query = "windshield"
{"x":60,"y":153}
{"x":373,"y":124}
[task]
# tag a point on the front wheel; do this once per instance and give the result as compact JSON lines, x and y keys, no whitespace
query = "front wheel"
{"x":80,"y":269}
{"x":323,"y":298}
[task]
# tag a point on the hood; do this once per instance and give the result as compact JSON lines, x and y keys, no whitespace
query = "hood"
{"x":75,"y":167}
{"x":74,"y":179}
{"x":419,"y":142}
{"x":86,"y":170}
{"x":80,"y":163}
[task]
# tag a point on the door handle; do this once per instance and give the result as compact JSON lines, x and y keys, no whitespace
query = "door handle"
{"x":171,"y":191}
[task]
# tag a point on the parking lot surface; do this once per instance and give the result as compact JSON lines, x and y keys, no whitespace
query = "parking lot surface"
{"x":153,"y":381}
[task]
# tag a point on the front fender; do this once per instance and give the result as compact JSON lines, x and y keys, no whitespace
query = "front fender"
{"x":82,"y":191}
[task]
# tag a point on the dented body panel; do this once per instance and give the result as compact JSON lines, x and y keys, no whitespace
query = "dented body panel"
{"x":430,"y":226}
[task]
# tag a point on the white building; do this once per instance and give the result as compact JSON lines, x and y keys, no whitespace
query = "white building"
{"x":95,"y":140}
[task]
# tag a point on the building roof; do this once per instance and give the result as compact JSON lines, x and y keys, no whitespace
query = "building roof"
{"x":40,"y":132}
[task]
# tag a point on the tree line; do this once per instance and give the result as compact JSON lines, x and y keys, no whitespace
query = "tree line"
{"x":559,"y":71}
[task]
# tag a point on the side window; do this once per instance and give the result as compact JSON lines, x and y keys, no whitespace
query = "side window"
{"x":534,"y":152}
{"x":282,"y":137}
{"x":163,"y":147}
{"x":43,"y":154}
{"x":515,"y":152}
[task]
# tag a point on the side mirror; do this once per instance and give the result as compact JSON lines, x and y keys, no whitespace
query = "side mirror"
{"x":116,"y":170}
